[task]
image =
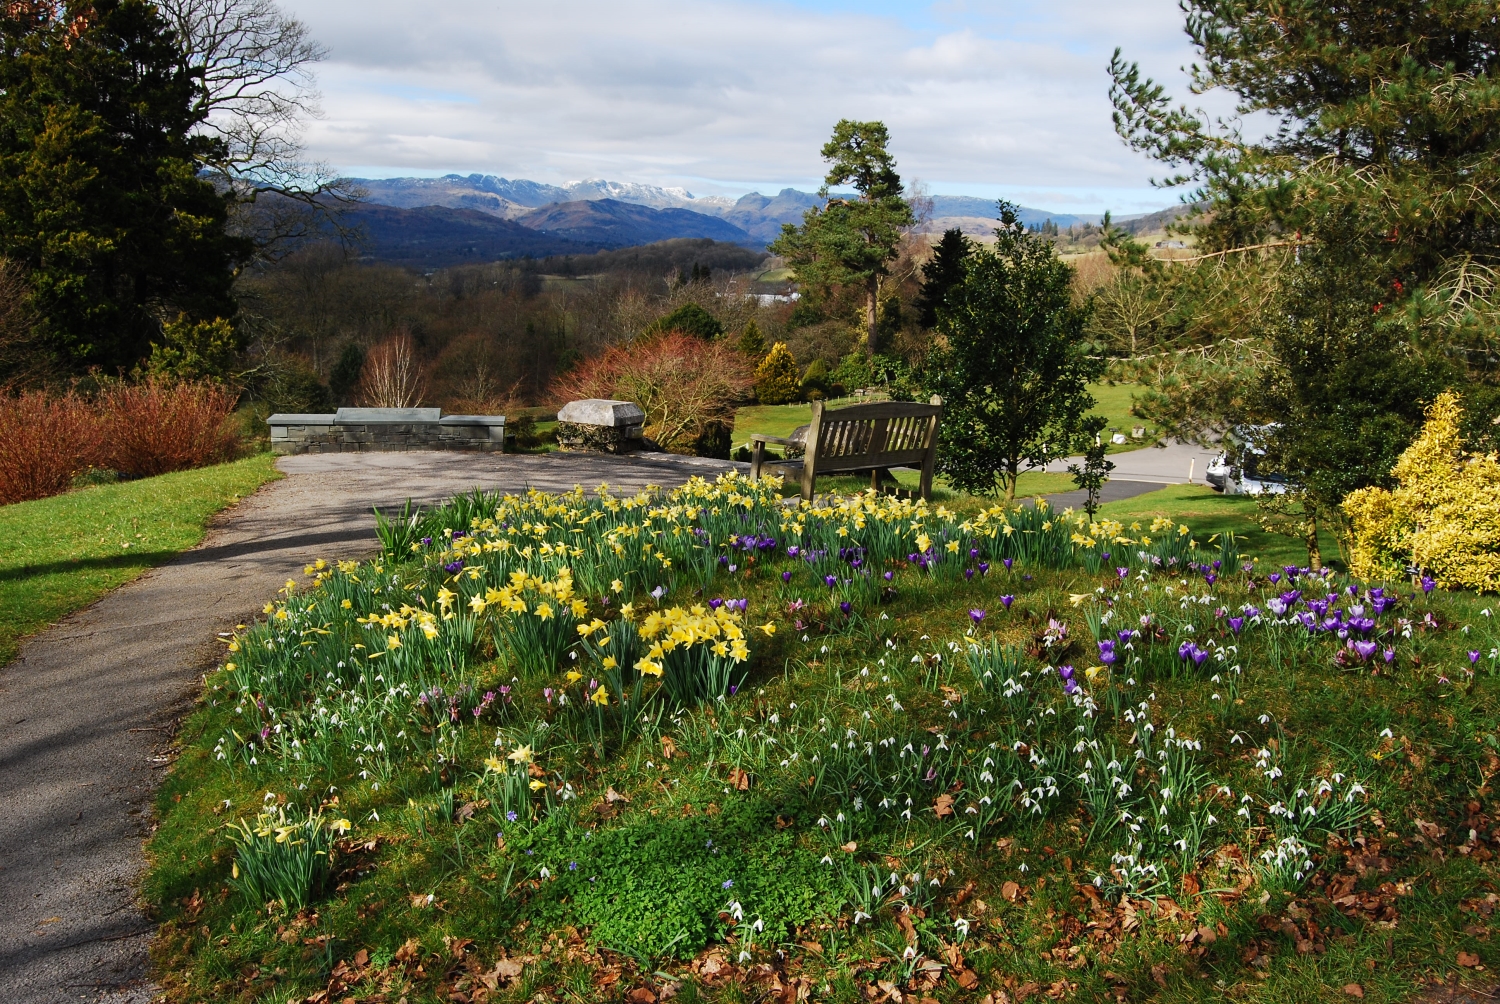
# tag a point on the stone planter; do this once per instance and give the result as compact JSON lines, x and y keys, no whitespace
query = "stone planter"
{"x":601,"y":426}
{"x":359,"y":430}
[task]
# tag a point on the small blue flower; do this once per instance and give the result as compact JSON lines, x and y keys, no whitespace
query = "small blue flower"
{"x":729,"y":883}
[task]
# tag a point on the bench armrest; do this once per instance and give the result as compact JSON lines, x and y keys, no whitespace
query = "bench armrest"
{"x":760,"y":437}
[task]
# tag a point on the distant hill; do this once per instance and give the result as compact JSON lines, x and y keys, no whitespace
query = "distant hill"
{"x":969,"y":207}
{"x":511,"y":198}
{"x":663,"y":258}
{"x":762,"y":216}
{"x":612,"y":223}
{"x":758,"y":217}
{"x":440,"y":237}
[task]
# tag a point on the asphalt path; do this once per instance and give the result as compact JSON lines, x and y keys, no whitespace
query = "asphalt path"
{"x":89,"y":709}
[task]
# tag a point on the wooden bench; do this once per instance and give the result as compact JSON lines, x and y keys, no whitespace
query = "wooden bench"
{"x":864,"y":437}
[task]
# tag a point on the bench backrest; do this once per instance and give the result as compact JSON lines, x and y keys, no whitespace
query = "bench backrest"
{"x":888,"y":434}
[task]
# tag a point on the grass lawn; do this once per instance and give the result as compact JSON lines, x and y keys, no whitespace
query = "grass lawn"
{"x":953,"y":779}
{"x":62,"y":553}
{"x":1209,"y":512}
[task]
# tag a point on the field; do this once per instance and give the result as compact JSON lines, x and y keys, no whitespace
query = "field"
{"x":712,"y":747}
{"x":1113,"y":402}
{"x":62,"y":553}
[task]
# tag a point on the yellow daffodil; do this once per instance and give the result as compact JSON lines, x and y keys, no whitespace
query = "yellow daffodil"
{"x":476,"y":603}
{"x":544,"y":611}
{"x":537,"y":785}
{"x":617,"y":586}
{"x":494,"y":764}
{"x":769,"y":628}
{"x":341,"y":826}
{"x":609,"y":662}
{"x":600,"y":697}
{"x":521,"y":754}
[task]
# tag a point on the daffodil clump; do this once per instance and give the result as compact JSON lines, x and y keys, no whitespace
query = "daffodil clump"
{"x":280,"y":856}
{"x":695,"y":651}
{"x":535,"y":619}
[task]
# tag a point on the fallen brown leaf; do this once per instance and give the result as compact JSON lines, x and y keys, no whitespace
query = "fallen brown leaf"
{"x":1010,"y":892}
{"x":849,"y":848}
{"x":610,"y":795}
{"x":943,"y":805}
{"x":668,"y":748}
{"x":1468,"y":960}
{"x":967,"y":978}
{"x":1354,"y":990}
{"x":739,"y":780}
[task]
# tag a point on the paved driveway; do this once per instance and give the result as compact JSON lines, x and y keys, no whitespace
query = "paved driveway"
{"x":89,"y":708}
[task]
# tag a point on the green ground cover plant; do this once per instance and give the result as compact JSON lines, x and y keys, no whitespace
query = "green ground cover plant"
{"x":62,"y":553}
{"x":711,"y":745}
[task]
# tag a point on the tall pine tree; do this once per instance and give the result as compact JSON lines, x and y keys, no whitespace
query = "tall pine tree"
{"x":852,"y":241}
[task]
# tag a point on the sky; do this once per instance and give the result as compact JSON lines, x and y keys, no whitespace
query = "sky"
{"x":721,"y":97}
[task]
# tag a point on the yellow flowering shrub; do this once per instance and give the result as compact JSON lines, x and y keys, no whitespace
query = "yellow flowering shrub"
{"x":1443,"y":516}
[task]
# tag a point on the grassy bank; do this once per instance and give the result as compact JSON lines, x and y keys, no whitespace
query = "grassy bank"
{"x":996,"y":770}
{"x":62,"y":553}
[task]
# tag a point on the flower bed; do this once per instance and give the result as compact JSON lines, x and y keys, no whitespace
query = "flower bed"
{"x":709,"y":742}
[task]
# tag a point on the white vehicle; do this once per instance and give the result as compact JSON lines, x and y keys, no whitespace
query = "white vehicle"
{"x":1235,"y":471}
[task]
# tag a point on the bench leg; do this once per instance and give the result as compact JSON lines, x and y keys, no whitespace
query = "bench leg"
{"x":757,"y":457}
{"x":926,"y":484}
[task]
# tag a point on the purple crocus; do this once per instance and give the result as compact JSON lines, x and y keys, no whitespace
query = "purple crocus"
{"x":1006,"y":601}
{"x":1235,"y":623}
{"x":1473,"y":658}
{"x":1122,"y":572}
{"x":1275,"y":577}
{"x":426,"y":541}
{"x":889,"y":576}
{"x":976,"y":615}
{"x":846,"y":607}
{"x":1428,"y":584}
{"x":830,"y":581}
{"x":1364,"y":649}
{"x":786,"y":576}
{"x":1007,"y":562}
{"x":984,"y":568}
{"x":968,"y":573}
{"x":454,"y":567}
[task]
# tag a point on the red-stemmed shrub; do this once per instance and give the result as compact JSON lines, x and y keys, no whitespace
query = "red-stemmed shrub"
{"x":684,"y":384}
{"x":45,"y":442}
{"x":157,"y":426}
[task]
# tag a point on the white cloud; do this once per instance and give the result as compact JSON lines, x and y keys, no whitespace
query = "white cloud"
{"x":728,"y":95}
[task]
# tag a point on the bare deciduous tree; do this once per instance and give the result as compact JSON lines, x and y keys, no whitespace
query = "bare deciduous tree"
{"x":256,"y":90}
{"x":392,"y":376}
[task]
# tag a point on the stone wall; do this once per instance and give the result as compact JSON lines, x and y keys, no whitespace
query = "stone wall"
{"x":361,"y":430}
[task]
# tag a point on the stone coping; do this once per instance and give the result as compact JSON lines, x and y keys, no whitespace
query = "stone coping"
{"x":385,"y":416}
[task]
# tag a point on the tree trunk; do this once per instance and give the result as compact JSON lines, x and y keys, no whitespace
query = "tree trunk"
{"x":1314,"y":552}
{"x":1010,"y":484}
{"x":872,"y":298}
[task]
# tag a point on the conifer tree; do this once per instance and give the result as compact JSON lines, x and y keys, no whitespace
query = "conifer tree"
{"x":101,"y":199}
{"x":852,"y":241}
{"x":940,"y":273}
